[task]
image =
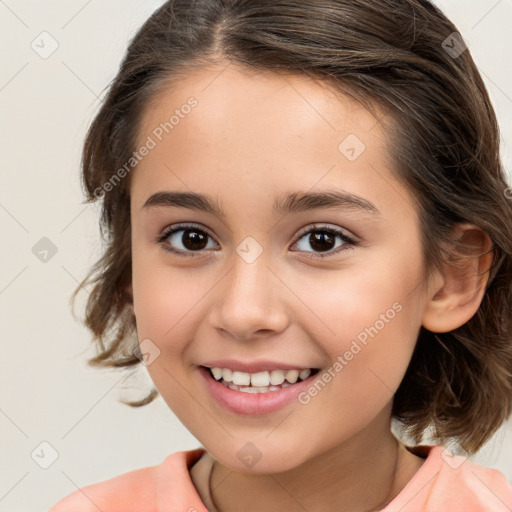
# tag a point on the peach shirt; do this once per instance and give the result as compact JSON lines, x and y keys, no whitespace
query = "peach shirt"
{"x":442,"y":484}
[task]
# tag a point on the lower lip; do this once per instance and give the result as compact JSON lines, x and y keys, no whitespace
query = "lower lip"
{"x":253,"y":404}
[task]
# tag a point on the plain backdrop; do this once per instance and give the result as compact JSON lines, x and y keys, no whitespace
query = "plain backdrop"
{"x":61,"y":423}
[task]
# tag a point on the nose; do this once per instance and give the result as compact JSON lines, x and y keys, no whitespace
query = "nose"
{"x":250,"y":301}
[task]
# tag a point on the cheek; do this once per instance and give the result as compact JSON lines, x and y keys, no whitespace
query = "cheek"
{"x":169,"y":304}
{"x":368,"y":321}
{"x":158,"y":295}
{"x":371,"y":363}
{"x":375,"y":328}
{"x":343,"y":304}
{"x":162,"y":299}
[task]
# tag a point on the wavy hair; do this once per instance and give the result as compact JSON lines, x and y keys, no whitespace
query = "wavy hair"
{"x":403,"y":56}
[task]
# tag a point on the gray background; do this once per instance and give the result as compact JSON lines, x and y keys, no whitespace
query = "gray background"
{"x":47,"y":393}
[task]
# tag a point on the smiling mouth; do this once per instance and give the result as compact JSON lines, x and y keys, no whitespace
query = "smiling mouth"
{"x":260,"y":382}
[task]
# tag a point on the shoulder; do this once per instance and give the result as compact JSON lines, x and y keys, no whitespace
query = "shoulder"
{"x":462,"y":482}
{"x":145,"y":489}
{"x":125,"y":492}
{"x":452,"y":483}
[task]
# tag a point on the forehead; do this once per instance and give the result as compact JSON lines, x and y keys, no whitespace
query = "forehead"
{"x":243,"y":102}
{"x":262,"y":131}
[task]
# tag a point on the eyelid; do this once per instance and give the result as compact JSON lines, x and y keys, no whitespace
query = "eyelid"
{"x":318,"y":226}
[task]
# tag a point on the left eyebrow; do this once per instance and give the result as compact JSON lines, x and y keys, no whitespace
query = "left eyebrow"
{"x":291,"y":203}
{"x":304,"y":201}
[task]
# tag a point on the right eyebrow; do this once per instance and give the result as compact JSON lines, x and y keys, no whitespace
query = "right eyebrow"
{"x":190,"y":200}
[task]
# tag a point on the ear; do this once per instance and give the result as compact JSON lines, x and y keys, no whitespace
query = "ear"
{"x":457,"y":290}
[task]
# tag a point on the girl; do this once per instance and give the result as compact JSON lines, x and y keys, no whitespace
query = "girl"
{"x":309,"y":246}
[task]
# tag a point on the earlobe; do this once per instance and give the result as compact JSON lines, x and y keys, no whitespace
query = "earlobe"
{"x":457,"y":291}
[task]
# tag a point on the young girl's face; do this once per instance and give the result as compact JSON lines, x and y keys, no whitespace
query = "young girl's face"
{"x":251,"y":285}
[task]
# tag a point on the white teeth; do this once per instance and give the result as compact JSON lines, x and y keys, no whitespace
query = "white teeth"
{"x":292,"y":376}
{"x":259,"y":380}
{"x":241,"y":378}
{"x":304,"y":374}
{"x":250,"y":389}
{"x":217,"y":373}
{"x":227,"y":374}
{"x":277,"y":377}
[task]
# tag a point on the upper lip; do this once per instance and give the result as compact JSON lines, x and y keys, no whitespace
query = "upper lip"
{"x":253,"y":366}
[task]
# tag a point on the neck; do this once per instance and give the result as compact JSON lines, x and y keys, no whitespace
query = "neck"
{"x":362,"y":474}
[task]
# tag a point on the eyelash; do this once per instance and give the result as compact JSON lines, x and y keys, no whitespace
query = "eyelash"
{"x":348,"y":241}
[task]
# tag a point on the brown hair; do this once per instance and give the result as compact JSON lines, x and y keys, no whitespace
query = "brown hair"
{"x":445,"y":147}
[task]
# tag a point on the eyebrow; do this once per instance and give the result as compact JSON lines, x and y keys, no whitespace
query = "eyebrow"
{"x":291,"y":203}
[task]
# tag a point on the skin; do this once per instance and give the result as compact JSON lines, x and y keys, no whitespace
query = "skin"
{"x":252,"y":138}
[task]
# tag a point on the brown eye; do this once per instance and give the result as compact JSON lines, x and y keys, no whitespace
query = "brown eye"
{"x":193,"y":239}
{"x":325,"y":240}
{"x":185,"y":240}
{"x":321,"y":241}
